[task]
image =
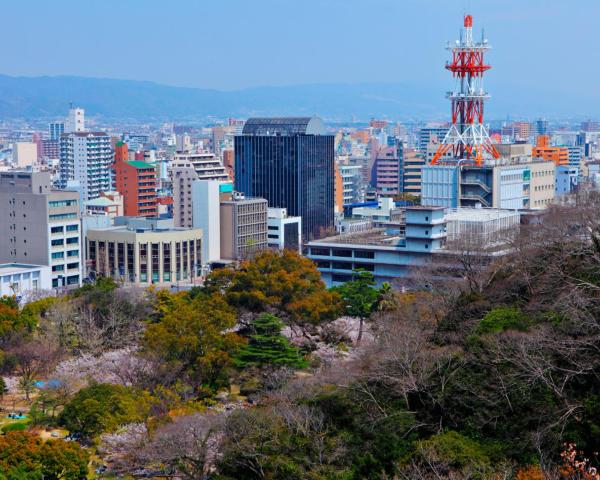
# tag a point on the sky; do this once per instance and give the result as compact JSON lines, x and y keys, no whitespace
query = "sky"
{"x":233,"y":44}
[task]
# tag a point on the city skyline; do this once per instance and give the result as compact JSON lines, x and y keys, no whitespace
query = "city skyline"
{"x":235,"y":44}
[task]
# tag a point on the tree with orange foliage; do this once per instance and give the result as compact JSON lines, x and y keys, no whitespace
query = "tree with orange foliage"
{"x":533,"y":472}
{"x":284,"y":282}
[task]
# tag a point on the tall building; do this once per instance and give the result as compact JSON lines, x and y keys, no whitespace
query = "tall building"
{"x":411,"y":166}
{"x":351,"y":183}
{"x":56,"y":129}
{"x":428,"y":135}
{"x":541,"y":127}
{"x":86,"y":159}
{"x":51,"y":149}
{"x":387,"y":171}
{"x":75,"y":121}
{"x":289,"y":162}
{"x":243,"y":226}
{"x":185,"y":170}
{"x":206,"y":214}
{"x":136,"y":181}
{"x":40,"y":225}
{"x":523,"y":131}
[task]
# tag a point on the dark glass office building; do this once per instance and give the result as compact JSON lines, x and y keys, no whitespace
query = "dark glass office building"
{"x":290,"y":162}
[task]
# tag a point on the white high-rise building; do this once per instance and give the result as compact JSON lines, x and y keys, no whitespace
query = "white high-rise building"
{"x":86,"y":159}
{"x":206,"y":201}
{"x":75,"y":121}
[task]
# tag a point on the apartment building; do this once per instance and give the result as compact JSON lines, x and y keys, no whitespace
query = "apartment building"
{"x":41,"y":226}
{"x":85,"y":160}
{"x":136,"y":181}
{"x":387,"y":171}
{"x":185,"y":170}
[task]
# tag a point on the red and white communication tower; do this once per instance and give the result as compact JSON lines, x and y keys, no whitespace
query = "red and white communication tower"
{"x":468,"y":138}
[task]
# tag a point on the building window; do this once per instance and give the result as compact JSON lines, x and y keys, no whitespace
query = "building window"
{"x":71,"y":228}
{"x":364,"y":254}
{"x":342,"y":253}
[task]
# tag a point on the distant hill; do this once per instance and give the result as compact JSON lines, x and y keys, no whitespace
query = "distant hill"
{"x":35,"y":97}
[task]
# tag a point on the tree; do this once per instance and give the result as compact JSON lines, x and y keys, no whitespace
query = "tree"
{"x":268,"y":347}
{"x":284,"y":282}
{"x":3,"y":388}
{"x":360,"y":298}
{"x":26,"y":456}
{"x":102,"y":408}
{"x":193,"y":337}
{"x":32,"y":359}
{"x":186,"y":447}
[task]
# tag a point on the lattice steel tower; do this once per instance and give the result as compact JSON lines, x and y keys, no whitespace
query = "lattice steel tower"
{"x":468,"y":138}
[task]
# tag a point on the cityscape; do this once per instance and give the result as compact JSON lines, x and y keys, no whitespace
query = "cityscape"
{"x":231,"y":284}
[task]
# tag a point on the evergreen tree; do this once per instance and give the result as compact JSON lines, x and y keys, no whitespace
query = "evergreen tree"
{"x":267,"y":346}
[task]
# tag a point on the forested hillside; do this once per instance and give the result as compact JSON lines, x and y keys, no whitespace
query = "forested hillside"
{"x":263,"y":373}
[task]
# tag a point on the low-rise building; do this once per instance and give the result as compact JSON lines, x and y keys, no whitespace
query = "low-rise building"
{"x":109,"y":204}
{"x":22,"y":279}
{"x":389,"y":253}
{"x":144,"y":252}
{"x":395,"y":252}
{"x":567,"y":179}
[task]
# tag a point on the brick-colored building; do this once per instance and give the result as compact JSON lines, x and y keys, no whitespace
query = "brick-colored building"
{"x":136,"y":181}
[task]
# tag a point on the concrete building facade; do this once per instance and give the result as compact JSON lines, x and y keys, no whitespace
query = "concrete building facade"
{"x":284,"y":232}
{"x":41,"y":226}
{"x":21,"y":279}
{"x":143,"y":252}
{"x":25,"y":154}
{"x":136,"y":181}
{"x":243,"y":226}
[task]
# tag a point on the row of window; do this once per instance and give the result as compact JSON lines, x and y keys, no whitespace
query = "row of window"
{"x":62,"y":216}
{"x":70,"y":253}
{"x":325,"y":252}
{"x":62,"y":203}
{"x":70,"y":228}
{"x":70,"y":241}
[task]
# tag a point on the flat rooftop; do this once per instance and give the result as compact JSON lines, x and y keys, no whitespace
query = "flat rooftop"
{"x":12,"y":268}
{"x":479,"y":214}
{"x":382,"y":237}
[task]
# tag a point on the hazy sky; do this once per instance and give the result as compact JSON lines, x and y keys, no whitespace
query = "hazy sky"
{"x":230,"y":44}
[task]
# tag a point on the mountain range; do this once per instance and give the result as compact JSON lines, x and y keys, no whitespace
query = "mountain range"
{"x":45,"y":96}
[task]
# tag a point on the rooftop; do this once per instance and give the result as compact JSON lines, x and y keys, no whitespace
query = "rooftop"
{"x":284,"y":126}
{"x":383,"y":237}
{"x":141,"y":165}
{"x":12,"y":268}
{"x":101,"y":202}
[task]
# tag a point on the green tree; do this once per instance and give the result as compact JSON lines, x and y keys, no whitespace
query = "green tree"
{"x":502,"y":319}
{"x":193,"y":336}
{"x":25,"y":456}
{"x":102,"y":408}
{"x":360,"y":298}
{"x":267,"y":346}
